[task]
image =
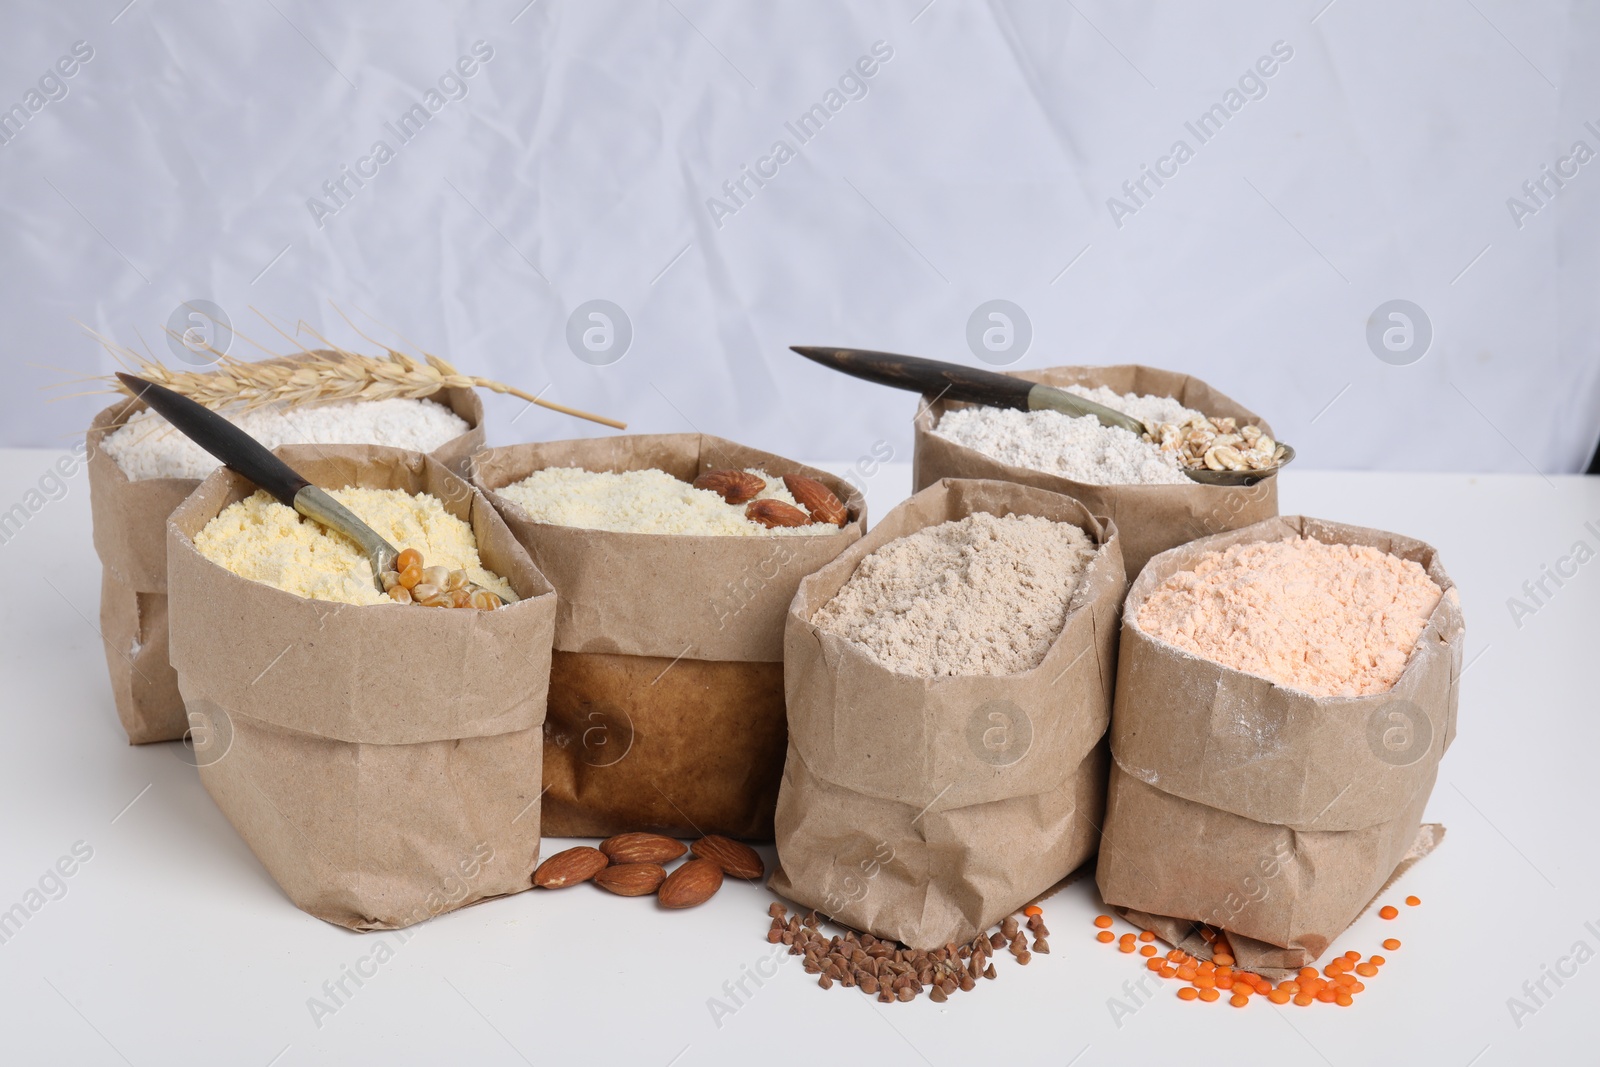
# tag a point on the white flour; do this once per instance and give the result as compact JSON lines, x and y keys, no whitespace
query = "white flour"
{"x":1077,"y":448}
{"x":147,"y":446}
{"x":979,"y":595}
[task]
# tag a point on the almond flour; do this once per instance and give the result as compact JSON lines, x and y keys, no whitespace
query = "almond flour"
{"x":647,"y":501}
{"x":981,"y":595}
{"x":1328,"y":620}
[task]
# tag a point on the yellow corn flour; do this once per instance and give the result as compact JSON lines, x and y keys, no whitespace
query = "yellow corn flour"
{"x":265,"y":541}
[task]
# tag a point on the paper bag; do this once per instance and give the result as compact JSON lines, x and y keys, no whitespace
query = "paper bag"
{"x":130,"y":520}
{"x":1266,"y":811}
{"x":382,"y":761}
{"x":1150,"y":518}
{"x":927,"y":809}
{"x":143,"y":683}
{"x":666,"y":689}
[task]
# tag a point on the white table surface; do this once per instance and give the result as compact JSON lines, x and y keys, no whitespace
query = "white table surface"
{"x":173,"y":946}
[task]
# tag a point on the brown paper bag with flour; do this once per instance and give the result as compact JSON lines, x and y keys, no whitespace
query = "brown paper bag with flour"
{"x":927,"y":809}
{"x":382,"y":761}
{"x":1260,"y":809}
{"x":666,"y":688}
{"x":130,"y":519}
{"x":1150,"y":518}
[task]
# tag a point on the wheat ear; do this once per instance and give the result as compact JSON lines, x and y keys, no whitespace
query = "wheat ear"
{"x":321,"y":376}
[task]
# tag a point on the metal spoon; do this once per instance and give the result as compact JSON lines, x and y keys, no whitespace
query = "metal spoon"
{"x":242,"y":453}
{"x":952,"y":380}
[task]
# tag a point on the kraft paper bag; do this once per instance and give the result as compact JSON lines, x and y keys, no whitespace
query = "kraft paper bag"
{"x":130,"y":520}
{"x":1150,"y":518}
{"x":927,"y":809}
{"x":1244,"y":804}
{"x":666,"y":688}
{"x":143,"y":683}
{"x":382,"y":761}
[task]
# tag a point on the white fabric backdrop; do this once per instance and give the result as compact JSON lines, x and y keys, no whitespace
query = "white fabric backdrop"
{"x":975,"y":163}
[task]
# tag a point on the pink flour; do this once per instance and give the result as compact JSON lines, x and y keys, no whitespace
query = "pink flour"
{"x":1329,"y":620}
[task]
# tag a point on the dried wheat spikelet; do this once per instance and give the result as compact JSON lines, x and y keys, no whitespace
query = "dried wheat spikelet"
{"x":319,"y":376}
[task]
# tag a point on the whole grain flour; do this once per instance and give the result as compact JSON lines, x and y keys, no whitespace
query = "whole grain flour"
{"x":980,"y":595}
{"x":926,"y":809}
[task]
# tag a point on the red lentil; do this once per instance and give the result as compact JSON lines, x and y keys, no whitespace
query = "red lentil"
{"x":1211,"y":980}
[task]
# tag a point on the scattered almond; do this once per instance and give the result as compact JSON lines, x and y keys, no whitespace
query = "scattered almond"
{"x":570,"y":867}
{"x":771,"y":513}
{"x":736,"y":859}
{"x":816,"y":498}
{"x":732,"y":485}
{"x":631,"y":879}
{"x":690,"y":885}
{"x":642,"y":848}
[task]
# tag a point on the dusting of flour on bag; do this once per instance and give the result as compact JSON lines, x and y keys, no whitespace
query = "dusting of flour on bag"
{"x":979,"y":595}
{"x":1326,"y":619}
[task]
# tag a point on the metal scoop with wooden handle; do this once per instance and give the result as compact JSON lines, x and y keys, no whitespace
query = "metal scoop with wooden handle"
{"x":240,"y":452}
{"x":955,"y":382}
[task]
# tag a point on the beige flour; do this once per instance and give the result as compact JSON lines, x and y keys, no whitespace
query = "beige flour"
{"x":265,"y":541}
{"x":979,"y":595}
{"x":644,"y":501}
{"x":1329,"y":620}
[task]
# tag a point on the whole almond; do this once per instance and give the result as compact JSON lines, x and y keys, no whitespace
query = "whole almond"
{"x":570,"y":867}
{"x":642,"y":848}
{"x":631,"y":879}
{"x":736,"y":859}
{"x":691,"y":884}
{"x":771,"y":513}
{"x":816,"y":498}
{"x":733,"y":486}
